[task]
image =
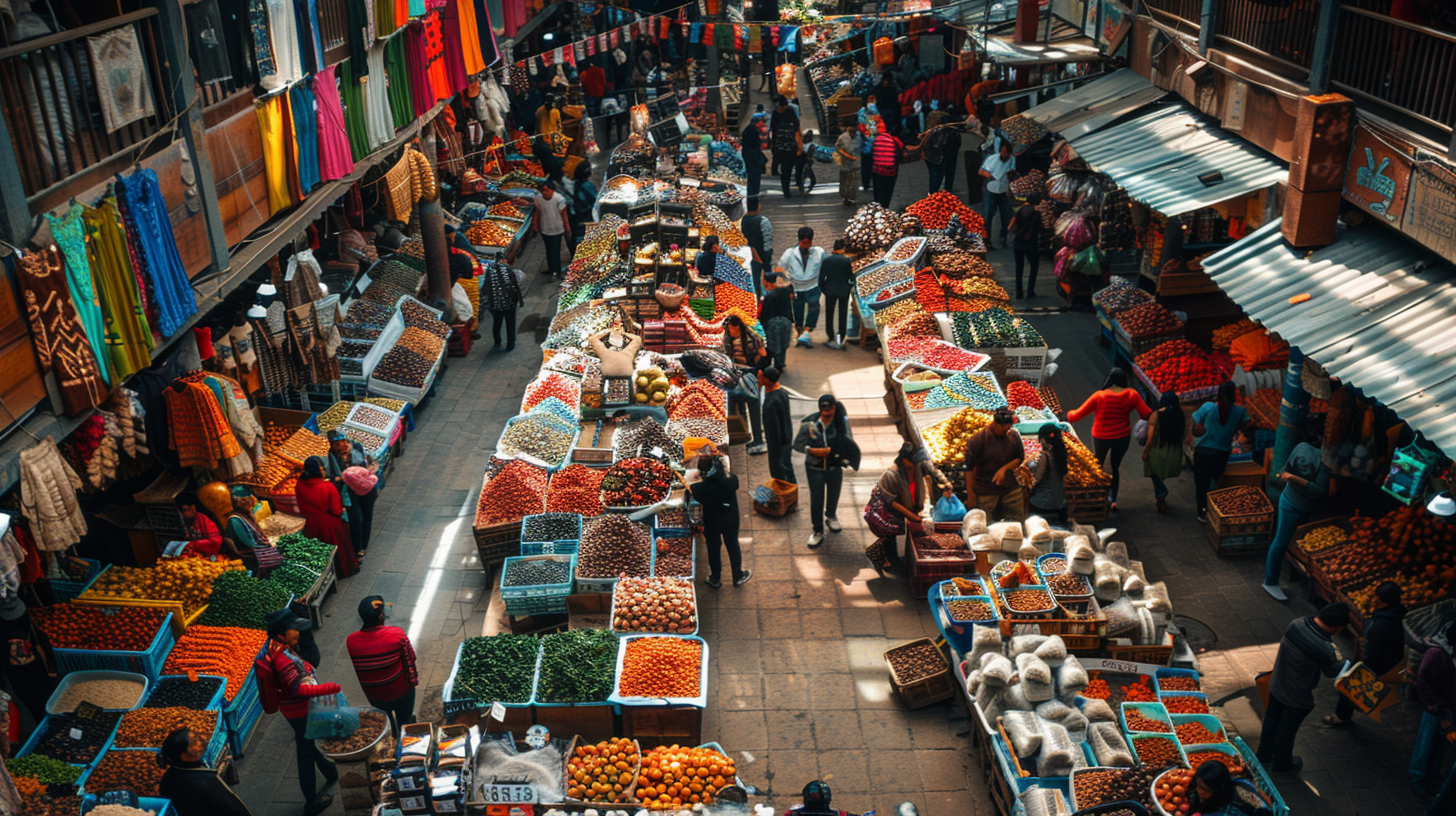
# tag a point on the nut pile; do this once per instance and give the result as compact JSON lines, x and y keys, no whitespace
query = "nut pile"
{"x":969,"y":610}
{"x":334,"y":415}
{"x":641,"y":436}
{"x":915,"y":661}
{"x":897,"y":311}
{"x":655,"y":605}
{"x":551,"y":526}
{"x":301,"y":445}
{"x":1027,"y":600}
{"x":1052,"y":566}
{"x":613,"y":546}
{"x":368,"y":314}
{"x":576,"y":489}
{"x":372,"y":442}
{"x":877,"y":279}
{"x":961,"y":264}
{"x":1196,"y":733}
{"x":148,"y":727}
{"x":1157,"y":752}
{"x":873,"y":227}
{"x":636,"y":482}
{"x":372,"y":417}
{"x":1179,"y":683}
{"x":518,"y":489}
{"x":403,"y":367}
{"x":136,"y":771}
{"x":1137,"y":721}
{"x":537,"y":572}
{"x":1148,"y":320}
{"x":674,"y":555}
{"x":1240,"y":501}
{"x":541,"y":436}
{"x":421,"y":342}
{"x":371,"y":724}
{"x":416,"y":316}
{"x":1069,"y":583}
{"x":1101,"y":786}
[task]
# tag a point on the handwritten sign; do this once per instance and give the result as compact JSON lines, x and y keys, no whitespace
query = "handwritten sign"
{"x":1377,"y":176}
{"x":1370,"y":693}
{"x":1430,"y":214}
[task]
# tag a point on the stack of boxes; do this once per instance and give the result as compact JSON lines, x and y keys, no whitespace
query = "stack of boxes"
{"x":428,"y":774}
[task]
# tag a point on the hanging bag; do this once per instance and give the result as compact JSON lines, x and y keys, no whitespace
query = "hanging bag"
{"x":331,"y":716}
{"x":880,"y":517}
{"x":949,"y":508}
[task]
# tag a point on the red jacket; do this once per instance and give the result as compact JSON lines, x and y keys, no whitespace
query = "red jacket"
{"x":293,"y":693}
{"x":385,"y":662}
{"x":885,"y":157}
{"x":203,"y":536}
{"x":1112,"y":412}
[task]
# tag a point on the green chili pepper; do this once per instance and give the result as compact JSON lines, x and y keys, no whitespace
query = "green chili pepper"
{"x":577,"y":666}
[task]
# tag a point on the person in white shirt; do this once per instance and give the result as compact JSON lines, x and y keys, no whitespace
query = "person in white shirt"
{"x":552,"y":223}
{"x":801,"y":263}
{"x":997,"y":170}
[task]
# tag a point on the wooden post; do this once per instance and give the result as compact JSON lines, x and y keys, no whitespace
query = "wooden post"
{"x":14,"y":208}
{"x":432,"y":235}
{"x":1324,"y":46}
{"x":1208,"y":27}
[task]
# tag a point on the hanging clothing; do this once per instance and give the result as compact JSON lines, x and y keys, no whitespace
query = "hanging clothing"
{"x":306,"y":135}
{"x":384,"y":24}
{"x":356,"y":126}
{"x":244,"y":426}
{"x":435,"y":59}
{"x":48,"y":497}
{"x":12,"y":555}
{"x":377,"y":112}
{"x":284,"y":30}
{"x":416,"y":7}
{"x":201,"y":435}
{"x":421,"y":93}
{"x":262,"y":40}
{"x":60,"y":343}
{"x":466,"y":26}
{"x":275,"y":159}
{"x":335,"y":160}
{"x":208,"y":41}
{"x":489,"y":49}
{"x":398,"y":196}
{"x":402,"y":13}
{"x":296,"y":191}
{"x":176,"y":301}
{"x":70,"y":235}
{"x":454,"y":51}
{"x":400,"y":86}
{"x":311,"y":50}
{"x":129,"y":340}
{"x":360,"y":14}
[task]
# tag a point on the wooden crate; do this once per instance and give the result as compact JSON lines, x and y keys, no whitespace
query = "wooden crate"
{"x":1243,"y":525}
{"x":930,"y":690}
{"x":738,"y":430}
{"x":497,"y":542}
{"x":663,"y":725}
{"x":1091,"y":512}
{"x":1234,"y":545}
{"x":593,"y":723}
{"x":1156,"y":655}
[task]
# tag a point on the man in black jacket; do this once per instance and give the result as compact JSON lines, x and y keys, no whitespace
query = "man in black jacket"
{"x":836,"y":281}
{"x":194,"y":788}
{"x":776,"y":313}
{"x":1305,"y":653}
{"x":778,"y":427}
{"x":718,"y":494}
{"x":817,"y":437}
{"x":1383,"y":647}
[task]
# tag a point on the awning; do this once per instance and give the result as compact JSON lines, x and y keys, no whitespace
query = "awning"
{"x":1381,"y":315}
{"x":1159,"y":157}
{"x":1095,"y":105}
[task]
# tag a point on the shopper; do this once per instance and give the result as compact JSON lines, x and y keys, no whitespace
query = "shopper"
{"x":323,"y":512}
{"x":583,"y":201}
{"x":903,"y":485}
{"x":242,"y":538}
{"x":802,"y":263}
{"x":1163,"y":446}
{"x":551,"y":222}
{"x":942,"y":146}
{"x":1382,"y":646}
{"x":1214,"y":426}
{"x":1213,"y":793}
{"x":462,"y":269}
{"x":593,"y":88}
{"x":758,"y":232}
{"x":776,"y":315}
{"x":717,"y":492}
{"x":200,"y":533}
{"x":836,"y":281}
{"x":778,"y":426}
{"x":1306,"y":482}
{"x":888,"y":155}
{"x":194,"y":788}
{"x":887,"y":96}
{"x":1025,"y":244}
{"x":500,"y":293}
{"x":817,"y":798}
{"x":786,"y":142}
{"x":1436,"y":687}
{"x":1111,"y":431}
{"x":548,"y":116}
{"x":997,"y":170}
{"x":748,"y":354}
{"x":818,"y":434}
{"x":846,"y":156}
{"x":286,"y":685}
{"x":754,"y":162}
{"x":357,"y":492}
{"x":1048,"y":495}
{"x":384,"y":660}
{"x":30,"y":663}
{"x":870,"y":126}
{"x":992,"y":456}
{"x":1305,"y":653}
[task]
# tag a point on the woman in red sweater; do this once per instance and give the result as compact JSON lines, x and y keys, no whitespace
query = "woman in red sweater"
{"x":295,"y":686}
{"x":323,"y":513}
{"x":1111,"y":430}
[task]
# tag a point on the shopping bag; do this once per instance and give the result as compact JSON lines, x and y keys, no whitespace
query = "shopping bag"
{"x":949,"y":508}
{"x":331,"y":716}
{"x":880,"y":517}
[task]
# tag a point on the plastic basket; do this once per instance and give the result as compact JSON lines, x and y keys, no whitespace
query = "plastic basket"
{"x":700,"y":701}
{"x":927,"y":690}
{"x":1165,"y":697}
{"x":81,"y":783}
{"x":1259,"y":778}
{"x":243,"y":711}
{"x":447,"y":693}
{"x":1163,"y":673}
{"x":1012,"y":614}
{"x":148,"y":663}
{"x":1153,"y":711}
{"x":63,"y":589}
{"x":526,"y":457}
{"x":1132,"y":742}
{"x":359,"y":409}
{"x":1243,"y":524}
{"x":85,"y":676}
{"x":550,"y":547}
{"x":538,"y":593}
{"x":38,"y":734}
{"x":217,"y":698}
{"x":1041,"y":564}
{"x":1208,"y":721}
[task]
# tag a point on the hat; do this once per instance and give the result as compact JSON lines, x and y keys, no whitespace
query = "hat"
{"x":283,"y":620}
{"x":370,"y":607}
{"x":827,"y":401}
{"x":1335,"y":614}
{"x":12,"y":608}
{"x":1003,"y":416}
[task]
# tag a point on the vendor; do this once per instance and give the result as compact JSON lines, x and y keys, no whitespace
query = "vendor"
{"x":992,"y":457}
{"x":200,"y":533}
{"x":617,"y":350}
{"x":707,"y":260}
{"x":323,"y":513}
{"x":194,"y":788}
{"x":30,"y":663}
{"x":749,"y":355}
{"x":243,"y":539}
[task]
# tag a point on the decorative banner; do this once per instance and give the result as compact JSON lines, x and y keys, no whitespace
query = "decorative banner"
{"x":591,"y":46}
{"x":755,"y":39}
{"x":546,"y":59}
{"x":613,"y":37}
{"x":1377,"y":176}
{"x":579,"y":51}
{"x":665,"y":27}
{"x":601,"y":42}
{"x":708,"y":34}
{"x":556,"y":55}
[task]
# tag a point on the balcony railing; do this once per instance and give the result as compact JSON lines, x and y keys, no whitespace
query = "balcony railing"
{"x":53,"y":110}
{"x":1279,"y":29}
{"x":1406,"y":66}
{"x":1190,"y":11}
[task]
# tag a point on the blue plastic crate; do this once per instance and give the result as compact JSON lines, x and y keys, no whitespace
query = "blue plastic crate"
{"x":1162,"y":673}
{"x":550,"y":547}
{"x":161,"y":807}
{"x":148,"y":663}
{"x":63,"y":589}
{"x":242,"y":715}
{"x":521,"y":607}
{"x":447,"y":694}
{"x":215,"y":704}
{"x":560,"y":590}
{"x":39,"y":733}
{"x":82,"y":781}
{"x":1260,"y":777}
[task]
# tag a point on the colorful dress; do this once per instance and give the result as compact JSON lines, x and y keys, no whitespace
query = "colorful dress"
{"x":60,"y":343}
{"x":174,"y":297}
{"x":70,"y":235}
{"x":129,"y":338}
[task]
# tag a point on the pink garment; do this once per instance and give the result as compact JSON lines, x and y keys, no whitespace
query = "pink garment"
{"x":335,"y":158}
{"x":514,"y":14}
{"x":454,"y":51}
{"x":359,"y":480}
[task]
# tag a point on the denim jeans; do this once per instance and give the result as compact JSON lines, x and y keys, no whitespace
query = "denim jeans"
{"x":884,"y":189}
{"x":937,"y":175}
{"x":1426,"y":753}
{"x":1445,"y":801}
{"x":806,"y":309}
{"x":553,"y":254}
{"x":1026,"y":252}
{"x":1276,"y":741}
{"x":1208,"y":465}
{"x":1289,"y":518}
{"x":1160,"y":490}
{"x":836,"y":304}
{"x":824,"y":487}
{"x":755,"y":412}
{"x":778,"y":335}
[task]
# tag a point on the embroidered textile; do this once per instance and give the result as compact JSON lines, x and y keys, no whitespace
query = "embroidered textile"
{"x":48,"y":497}
{"x":120,"y":72}
{"x":70,"y":235}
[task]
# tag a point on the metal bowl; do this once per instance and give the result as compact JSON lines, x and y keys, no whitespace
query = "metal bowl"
{"x":362,"y":753}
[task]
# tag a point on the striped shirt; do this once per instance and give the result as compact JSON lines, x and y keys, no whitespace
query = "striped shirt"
{"x":384,"y":661}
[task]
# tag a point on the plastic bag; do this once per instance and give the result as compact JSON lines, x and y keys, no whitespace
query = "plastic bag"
{"x":1038,"y":531}
{"x":330,"y":716}
{"x":1075,"y":229}
{"x":1080,"y":557}
{"x":1134,"y":585}
{"x":1061,"y":187}
{"x":1071,"y":677}
{"x":1097,"y":711}
{"x":1053,"y":651}
{"x":1013,"y":698}
{"x":974,"y":523}
{"x":1043,"y":802}
{"x":984,"y":640}
{"x":1026,"y":644}
{"x":996,"y":670}
{"x":1009,"y":534}
{"x":1089,"y":262}
{"x":1036,"y":678}
{"x":1107,"y":579}
{"x":1117,"y":551}
{"x":1155,"y":599}
{"x":1055,"y":757}
{"x":991,"y":701}
{"x":1108,"y":746}
{"x":1121,"y":617}
{"x":949,"y":508}
{"x":1024,"y":732}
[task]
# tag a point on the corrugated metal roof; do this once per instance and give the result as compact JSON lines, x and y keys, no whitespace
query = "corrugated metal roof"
{"x":1158,"y":156}
{"x":1381,"y":315}
{"x":1095,"y":105}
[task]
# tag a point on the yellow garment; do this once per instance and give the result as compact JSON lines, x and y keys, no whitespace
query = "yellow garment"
{"x":548,"y":120}
{"x":129,"y":340}
{"x":470,"y":38}
{"x":399,"y":197}
{"x":275,"y":161}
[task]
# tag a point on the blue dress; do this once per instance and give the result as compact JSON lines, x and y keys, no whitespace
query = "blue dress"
{"x":175,"y":299}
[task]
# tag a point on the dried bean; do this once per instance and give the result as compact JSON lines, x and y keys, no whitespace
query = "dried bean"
{"x":1069,"y":583}
{"x":60,"y":742}
{"x":1052,"y":566}
{"x":1137,"y":721}
{"x":536,"y":573}
{"x":1179,"y":683}
{"x":180,"y":692}
{"x":551,"y":527}
{"x":371,"y":725}
{"x":1157,"y":752}
{"x":1195,"y":733}
{"x":1027,"y":601}
{"x":136,"y":771}
{"x":148,"y":727}
{"x":969,"y":610}
{"x":916,"y":661}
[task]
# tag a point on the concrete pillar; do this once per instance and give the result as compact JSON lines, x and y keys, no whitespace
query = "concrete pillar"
{"x":432,"y":235}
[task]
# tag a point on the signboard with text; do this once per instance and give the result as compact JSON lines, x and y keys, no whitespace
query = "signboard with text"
{"x":1377,"y":177}
{"x":1430,"y":211}
{"x":1369,"y":692}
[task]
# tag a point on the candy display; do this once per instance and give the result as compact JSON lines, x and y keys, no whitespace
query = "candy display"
{"x":636,"y":482}
{"x":873,"y":227}
{"x":576,"y":489}
{"x":1148,"y":320}
{"x":543,"y":437}
{"x":934,"y":353}
{"x":518,"y":489}
{"x":936,"y":210}
{"x":994,"y":328}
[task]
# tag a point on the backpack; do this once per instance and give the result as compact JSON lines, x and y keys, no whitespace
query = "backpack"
{"x":266,"y":677}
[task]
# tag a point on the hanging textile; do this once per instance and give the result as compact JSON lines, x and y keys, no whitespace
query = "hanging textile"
{"x":435,"y":58}
{"x":275,"y":159}
{"x":377,"y":115}
{"x":245,"y":428}
{"x":416,"y":7}
{"x":48,"y":497}
{"x":335,"y":160}
{"x":201,"y":435}
{"x":421,"y":94}
{"x":261,"y":39}
{"x":399,"y":198}
{"x":449,"y":152}
{"x":470,"y":37}
{"x":360,"y":15}
{"x":454,"y":52}
{"x":383,"y":18}
{"x":305,"y":135}
{"x":208,"y":41}
{"x":284,"y":30}
{"x":311,"y":51}
{"x":120,"y":71}
{"x":70,"y":235}
{"x":356,"y":117}
{"x":60,"y":343}
{"x":273,"y":369}
{"x":175,"y":299}
{"x":401,"y":106}
{"x":129,"y":340}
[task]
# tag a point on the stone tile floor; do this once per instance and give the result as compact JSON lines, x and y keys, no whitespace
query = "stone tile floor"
{"x":798,"y":685}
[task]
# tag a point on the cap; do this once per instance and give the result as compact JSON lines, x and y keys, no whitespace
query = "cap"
{"x":1004,"y":416}
{"x":1335,"y":614}
{"x":240,"y":491}
{"x":12,"y":608}
{"x":827,"y":401}
{"x":335,"y":435}
{"x":370,"y":607}
{"x":283,"y":620}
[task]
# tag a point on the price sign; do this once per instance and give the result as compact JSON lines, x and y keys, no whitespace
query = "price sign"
{"x":462,"y":706}
{"x":498,"y":712}
{"x":506,"y":794}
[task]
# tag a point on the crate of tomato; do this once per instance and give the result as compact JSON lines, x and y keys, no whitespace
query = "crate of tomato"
{"x":118,"y":638}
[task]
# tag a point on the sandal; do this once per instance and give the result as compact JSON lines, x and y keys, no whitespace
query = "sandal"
{"x":1331,"y":721}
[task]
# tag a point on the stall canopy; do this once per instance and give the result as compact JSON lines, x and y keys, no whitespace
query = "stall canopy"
{"x":1381,"y":315}
{"x":1095,"y":105}
{"x":1176,"y":161}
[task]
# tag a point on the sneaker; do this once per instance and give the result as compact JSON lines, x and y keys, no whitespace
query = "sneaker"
{"x":743,"y":579}
{"x":757,"y":448}
{"x":318,"y":805}
{"x":1275,"y":592}
{"x":815,"y":540}
{"x":1202,"y":516}
{"x":715,"y":582}
{"x":833,"y":524}
{"x":835,"y":344}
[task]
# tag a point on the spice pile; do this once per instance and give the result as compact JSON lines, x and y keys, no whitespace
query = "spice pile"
{"x":613,"y":546}
{"x":576,"y":489}
{"x":518,"y":489}
{"x":636,"y":482}
{"x":149,"y":727}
